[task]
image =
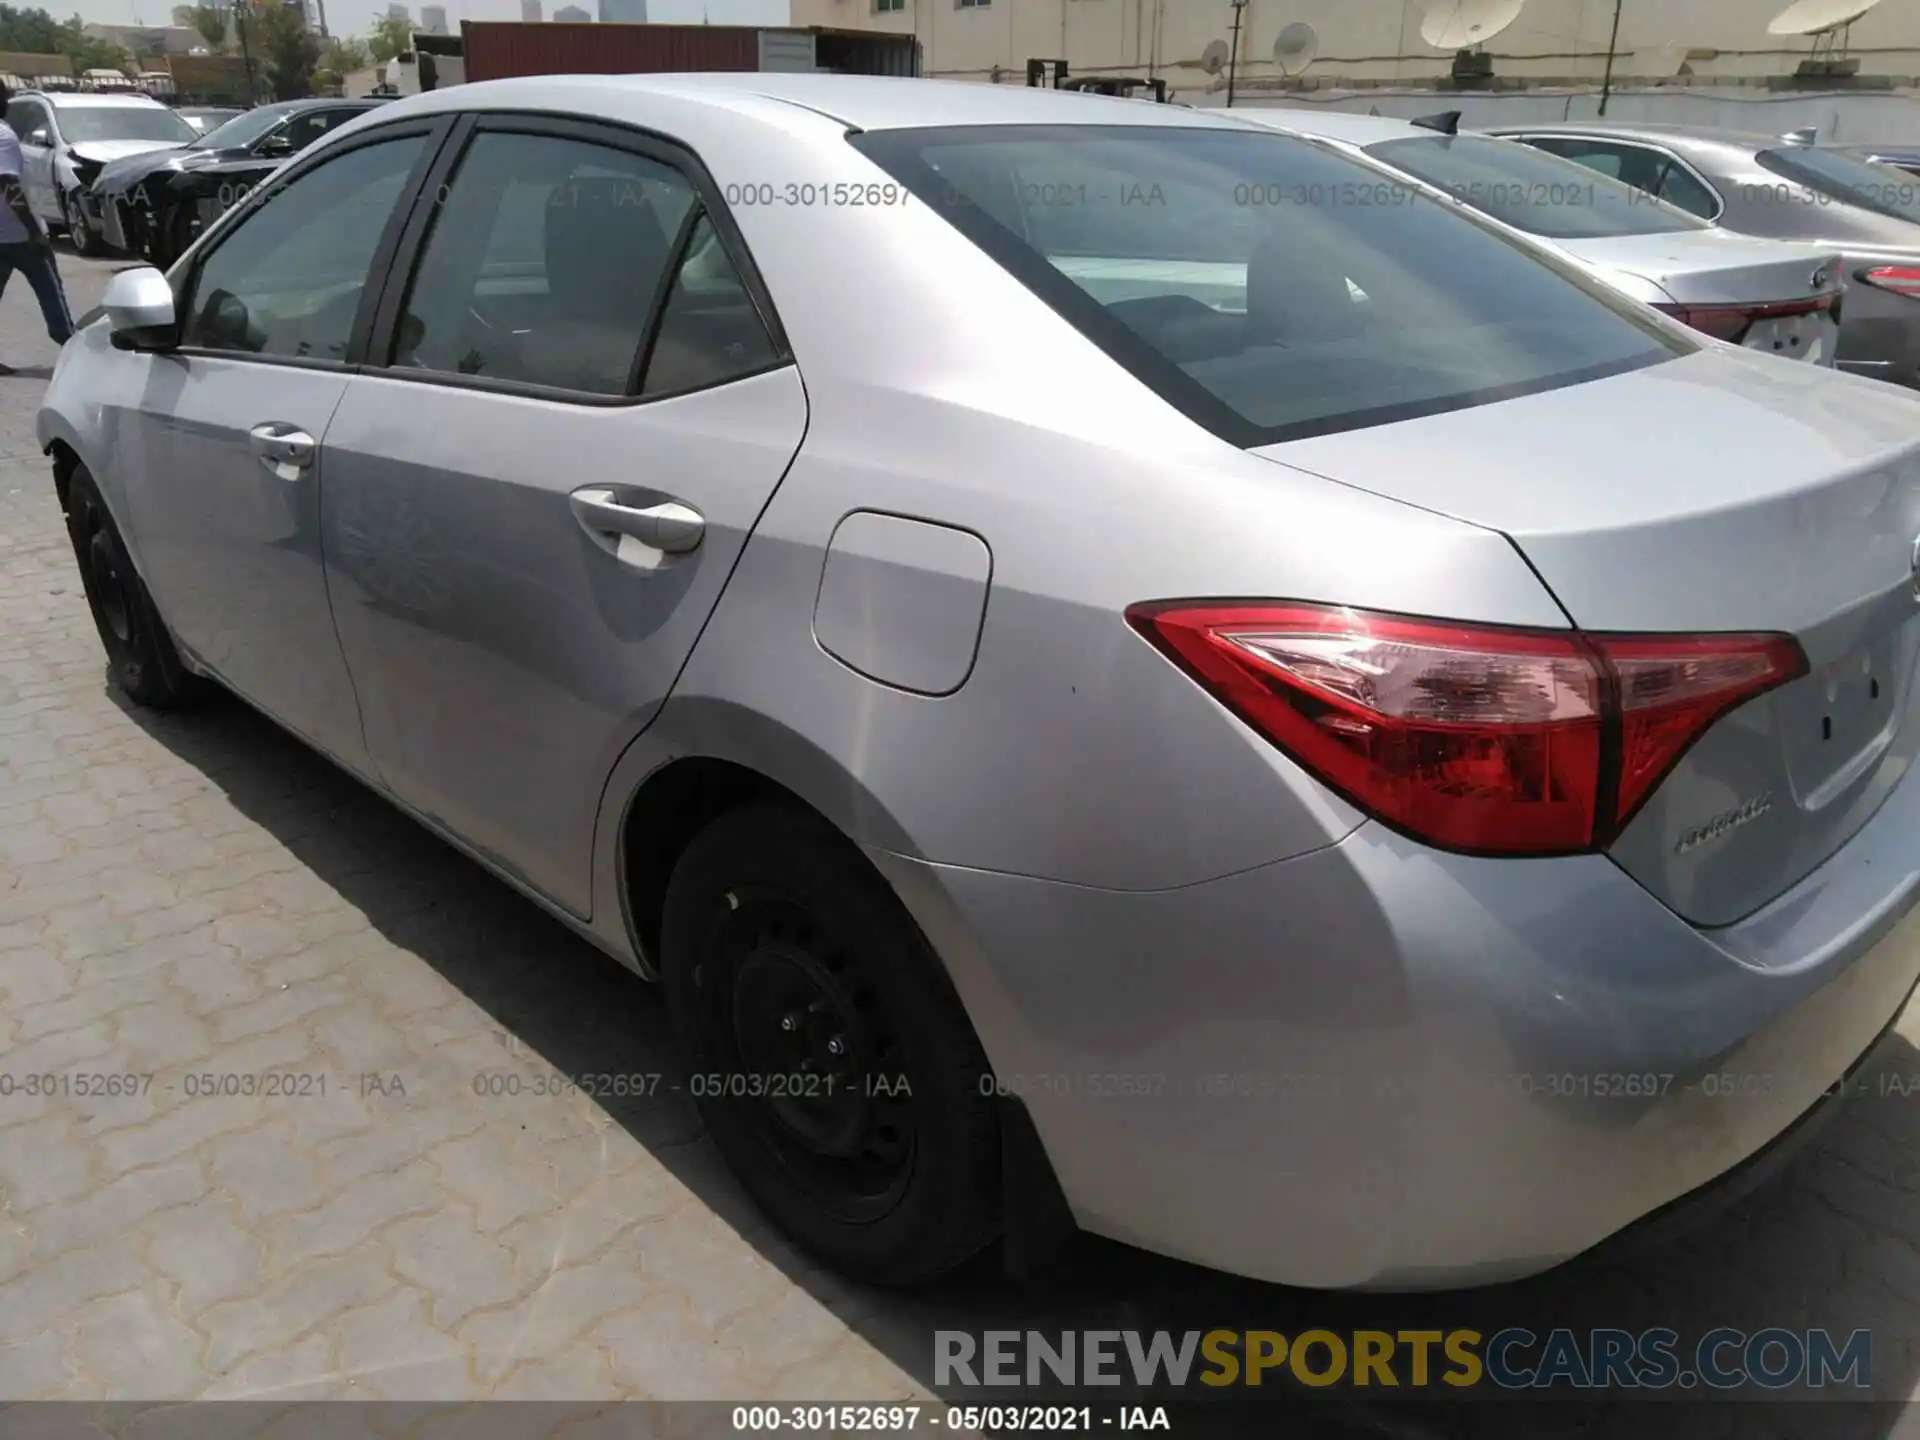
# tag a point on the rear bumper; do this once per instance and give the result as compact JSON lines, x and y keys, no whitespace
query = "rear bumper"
{"x":1381,"y":1066}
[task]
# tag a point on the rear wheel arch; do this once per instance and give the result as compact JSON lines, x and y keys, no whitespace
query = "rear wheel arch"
{"x":673,"y":805}
{"x":65,"y":461}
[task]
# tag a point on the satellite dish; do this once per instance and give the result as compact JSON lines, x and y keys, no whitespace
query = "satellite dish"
{"x":1462,"y":24}
{"x":1295,"y":47}
{"x":1817,"y":17}
{"x":1213,"y":59}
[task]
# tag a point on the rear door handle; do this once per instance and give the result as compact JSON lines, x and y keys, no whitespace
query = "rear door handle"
{"x":284,"y":449}
{"x":668,"y":526}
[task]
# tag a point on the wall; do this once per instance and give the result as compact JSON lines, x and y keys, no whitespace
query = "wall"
{"x":1840,"y":119}
{"x":1376,"y":41}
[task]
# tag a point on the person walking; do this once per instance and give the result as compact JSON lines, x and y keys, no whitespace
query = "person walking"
{"x":24,"y":243}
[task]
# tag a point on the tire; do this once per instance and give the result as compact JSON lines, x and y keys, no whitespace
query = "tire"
{"x":140,"y":653}
{"x":173,"y":235}
{"x":79,"y":234}
{"x":779,"y":939}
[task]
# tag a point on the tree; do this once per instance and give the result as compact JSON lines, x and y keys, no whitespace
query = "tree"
{"x":33,"y":31}
{"x":88,"y":53}
{"x":211,"y":22}
{"x":345,"y":55}
{"x":391,"y":36}
{"x":288,"y":48}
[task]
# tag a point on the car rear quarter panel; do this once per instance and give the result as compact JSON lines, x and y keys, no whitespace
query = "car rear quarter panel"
{"x":940,"y":389}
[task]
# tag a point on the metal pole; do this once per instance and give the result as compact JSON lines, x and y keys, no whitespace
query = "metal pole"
{"x":240,"y":12}
{"x":1233,"y":57}
{"x":1606,"y":85}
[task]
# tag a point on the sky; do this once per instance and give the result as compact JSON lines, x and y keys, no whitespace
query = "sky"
{"x":355,"y":17}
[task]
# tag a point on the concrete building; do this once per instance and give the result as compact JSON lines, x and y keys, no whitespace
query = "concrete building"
{"x":572,"y":13}
{"x":632,"y":12}
{"x":530,"y":12}
{"x":149,"y":41}
{"x":433,"y":19}
{"x":1365,"y":42}
{"x":401,"y":13}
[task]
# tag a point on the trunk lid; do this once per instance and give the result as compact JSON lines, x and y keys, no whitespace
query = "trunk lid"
{"x":1717,"y":267}
{"x":1744,"y":495}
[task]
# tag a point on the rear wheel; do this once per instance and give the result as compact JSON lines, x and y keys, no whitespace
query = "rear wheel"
{"x":139,"y":651}
{"x":830,"y":1057}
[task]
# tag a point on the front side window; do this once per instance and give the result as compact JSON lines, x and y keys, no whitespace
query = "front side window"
{"x":242,"y":130}
{"x":1880,"y":188}
{"x":543,"y":264}
{"x":1531,"y":190}
{"x":287,"y":279}
{"x":88,"y":124}
{"x":1270,"y":287}
{"x":303,"y":130}
{"x":25,"y":117}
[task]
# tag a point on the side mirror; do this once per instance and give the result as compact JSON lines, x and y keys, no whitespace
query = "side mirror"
{"x":276,"y":145}
{"x":40,"y":136}
{"x":139,"y":306}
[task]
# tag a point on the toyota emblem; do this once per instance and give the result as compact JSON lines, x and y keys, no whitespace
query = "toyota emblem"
{"x":1822,"y":276}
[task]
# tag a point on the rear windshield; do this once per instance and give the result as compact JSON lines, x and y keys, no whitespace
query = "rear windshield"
{"x":1879,"y":188}
{"x":1542,"y":194}
{"x":1267,"y":286}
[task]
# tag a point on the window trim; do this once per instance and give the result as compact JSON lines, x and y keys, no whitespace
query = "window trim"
{"x":1671,"y":156}
{"x":433,"y":129}
{"x":404,"y":262}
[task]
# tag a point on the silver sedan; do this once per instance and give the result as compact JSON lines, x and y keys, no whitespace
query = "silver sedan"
{"x":1314,"y":738}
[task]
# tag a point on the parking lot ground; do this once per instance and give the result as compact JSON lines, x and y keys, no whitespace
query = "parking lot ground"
{"x":410,"y":1212}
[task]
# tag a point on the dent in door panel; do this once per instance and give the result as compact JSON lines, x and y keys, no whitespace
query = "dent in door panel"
{"x":902,"y":601}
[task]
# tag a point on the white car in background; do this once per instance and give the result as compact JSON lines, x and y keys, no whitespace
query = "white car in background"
{"x":67,"y":136}
{"x":1769,"y":295}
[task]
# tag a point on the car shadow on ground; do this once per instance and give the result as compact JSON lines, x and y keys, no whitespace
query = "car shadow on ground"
{"x":1832,"y":1242}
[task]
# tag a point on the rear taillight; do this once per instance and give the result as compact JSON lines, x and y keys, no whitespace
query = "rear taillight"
{"x":1900,"y":279}
{"x":1469,"y":737}
{"x":1731,"y":322}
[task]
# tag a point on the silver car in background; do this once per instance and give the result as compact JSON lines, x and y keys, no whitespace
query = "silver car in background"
{"x":1782,"y":187}
{"x":1317,"y":738}
{"x":1780,"y":299}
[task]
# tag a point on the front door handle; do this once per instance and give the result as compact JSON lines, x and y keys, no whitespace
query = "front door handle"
{"x":283,"y":449}
{"x":668,"y":526}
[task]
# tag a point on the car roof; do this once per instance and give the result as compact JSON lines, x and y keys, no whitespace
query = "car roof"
{"x":1335,"y":124}
{"x":72,"y":99}
{"x":866,"y":102}
{"x":1704,"y":134}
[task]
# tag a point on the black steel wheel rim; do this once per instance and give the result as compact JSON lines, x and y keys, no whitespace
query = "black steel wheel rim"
{"x":810,"y":1054}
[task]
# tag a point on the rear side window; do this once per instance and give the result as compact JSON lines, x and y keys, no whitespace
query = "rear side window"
{"x":1880,"y":188}
{"x":1531,"y":190}
{"x":1268,"y":287}
{"x":548,"y":261}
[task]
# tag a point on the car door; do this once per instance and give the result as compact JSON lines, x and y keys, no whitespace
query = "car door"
{"x":581,"y":406}
{"x":223,"y":439}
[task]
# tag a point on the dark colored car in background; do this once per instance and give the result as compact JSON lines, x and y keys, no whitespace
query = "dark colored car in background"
{"x":1784,"y":188}
{"x":153,"y":205}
